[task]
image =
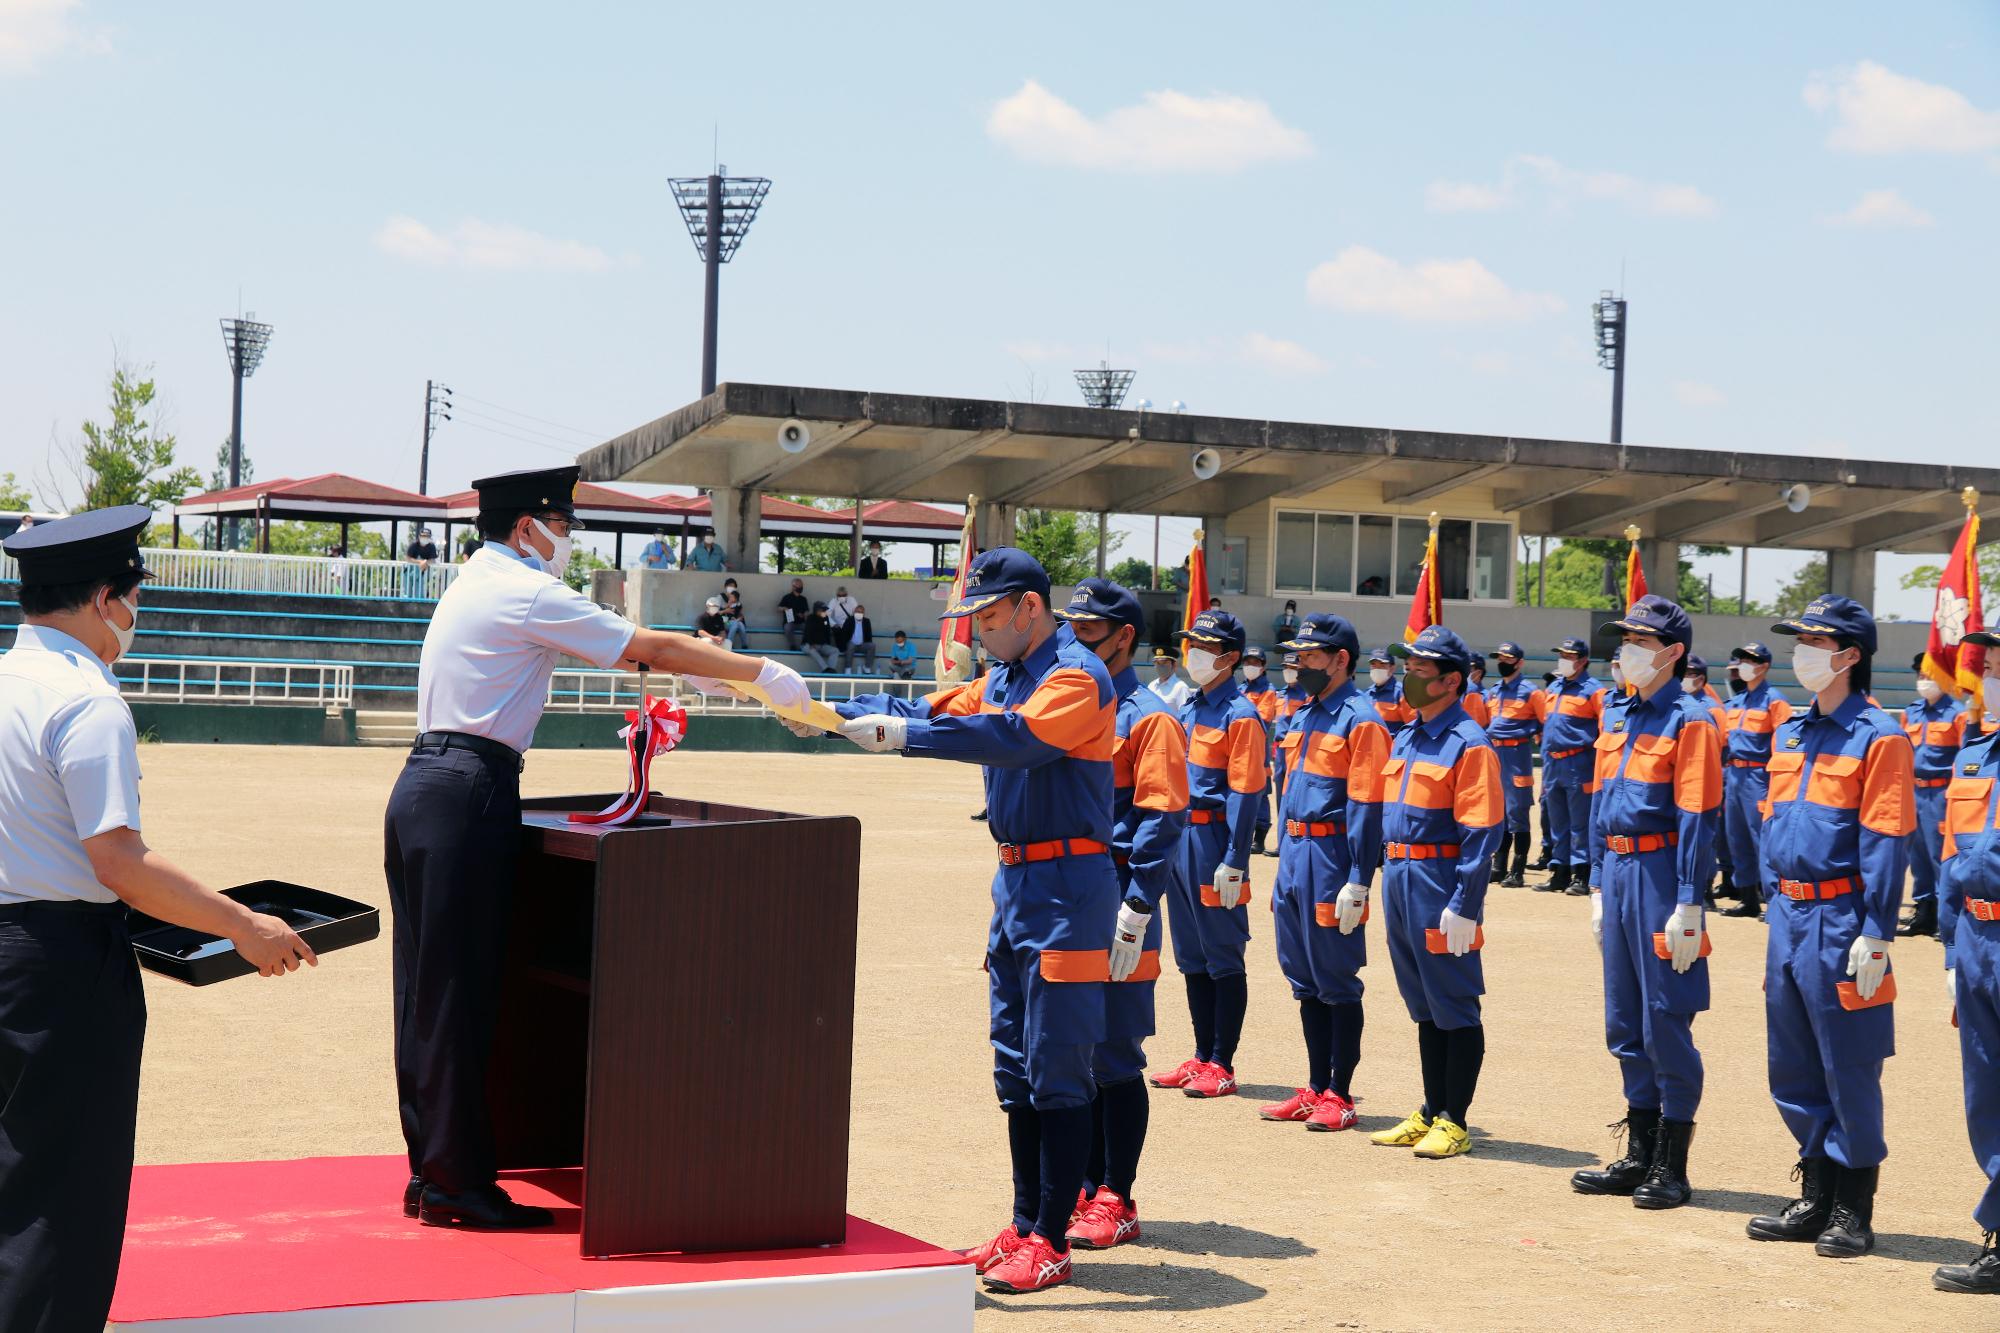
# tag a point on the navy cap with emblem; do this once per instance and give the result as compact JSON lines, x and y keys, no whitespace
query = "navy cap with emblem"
{"x":538,"y":488}
{"x":1101,"y":599}
{"x":1381,"y":654}
{"x":1653,"y":615}
{"x":1697,"y":665}
{"x":1440,"y":645}
{"x":999,"y":572}
{"x":1574,"y":645}
{"x":1508,"y":648}
{"x":1291,"y":659}
{"x":1254,"y":654}
{"x":1752,"y":651}
{"x":1840,"y":616}
{"x":1218,"y":630}
{"x":1327,"y":631}
{"x":1984,"y":638}
{"x":97,"y":544}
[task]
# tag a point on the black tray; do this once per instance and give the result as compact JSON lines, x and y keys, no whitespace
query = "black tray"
{"x":323,"y":920}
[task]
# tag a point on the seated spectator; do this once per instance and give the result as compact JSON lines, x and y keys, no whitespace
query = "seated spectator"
{"x":732,"y":616}
{"x":860,"y":641}
{"x":658,"y":553}
{"x":903,"y":658}
{"x":707,"y":557}
{"x":710,"y":624}
{"x":1285,"y":625}
{"x":796,"y":612}
{"x":819,"y":640}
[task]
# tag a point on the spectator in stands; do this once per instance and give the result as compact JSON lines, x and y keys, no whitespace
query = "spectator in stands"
{"x":1285,"y":625}
{"x":839,"y":612}
{"x":732,"y":616}
{"x":27,"y":521}
{"x":873,"y":566}
{"x":711,"y":626}
{"x":819,"y":640}
{"x":466,"y":545}
{"x":797,"y":611}
{"x":658,"y":553}
{"x":707,"y":557}
{"x":420,"y":552}
{"x":903,"y":658}
{"x":859,"y":642}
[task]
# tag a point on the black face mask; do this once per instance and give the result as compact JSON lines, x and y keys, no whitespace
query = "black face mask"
{"x":1313,"y":680}
{"x":1508,"y":669}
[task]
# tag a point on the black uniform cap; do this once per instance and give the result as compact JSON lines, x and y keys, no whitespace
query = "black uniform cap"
{"x":98,"y":544}
{"x":536,"y":488}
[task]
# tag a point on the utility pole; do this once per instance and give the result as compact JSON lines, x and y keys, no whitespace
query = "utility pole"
{"x":437,"y":407}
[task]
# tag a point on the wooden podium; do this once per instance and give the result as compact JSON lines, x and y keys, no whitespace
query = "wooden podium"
{"x":677,"y":1018}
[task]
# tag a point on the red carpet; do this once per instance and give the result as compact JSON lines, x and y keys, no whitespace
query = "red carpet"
{"x":255,"y":1237}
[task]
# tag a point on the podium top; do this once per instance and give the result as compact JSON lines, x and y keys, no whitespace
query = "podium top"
{"x":546,"y":821}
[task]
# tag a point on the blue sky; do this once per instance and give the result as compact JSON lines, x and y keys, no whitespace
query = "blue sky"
{"x":1388,"y":215}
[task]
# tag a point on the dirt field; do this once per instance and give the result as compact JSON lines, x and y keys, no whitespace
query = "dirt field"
{"x":1248,"y":1225}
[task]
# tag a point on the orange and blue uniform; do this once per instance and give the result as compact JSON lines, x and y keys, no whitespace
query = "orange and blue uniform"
{"x":1478,"y":706}
{"x":1936,"y":731}
{"x":1753,"y":717}
{"x":1265,"y":699}
{"x":1571,"y":710}
{"x":1289,"y":703}
{"x":1226,"y":778}
{"x":1514,"y":723}
{"x":1969,"y":923}
{"x":1390,"y":709}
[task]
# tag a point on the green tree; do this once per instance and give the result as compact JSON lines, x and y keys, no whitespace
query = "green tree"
{"x":1589,"y":573}
{"x":293,"y":538}
{"x":129,"y":461}
{"x":219,"y":480}
{"x":1801,"y":588}
{"x":1064,"y":540}
{"x":1923,"y":578}
{"x":813,"y":555}
{"x":1133,"y":573}
{"x":13,"y":495}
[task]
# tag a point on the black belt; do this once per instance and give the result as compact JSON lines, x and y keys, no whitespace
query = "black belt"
{"x":60,"y":906}
{"x":490,"y":750}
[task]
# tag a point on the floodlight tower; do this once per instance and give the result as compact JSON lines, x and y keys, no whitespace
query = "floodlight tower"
{"x":1104,"y":387}
{"x":245,"y":340}
{"x":718,"y":210}
{"x":1609,"y":318}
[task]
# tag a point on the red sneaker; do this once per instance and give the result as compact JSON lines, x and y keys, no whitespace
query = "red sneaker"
{"x":1032,"y":1266}
{"x":1212,"y":1081}
{"x":996,"y":1251}
{"x":1108,"y":1221}
{"x":1178,"y":1076}
{"x":1299,"y":1106}
{"x":1082,"y":1206}
{"x":1335,"y":1112}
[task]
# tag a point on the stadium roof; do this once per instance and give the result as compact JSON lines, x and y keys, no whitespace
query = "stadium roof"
{"x":329,"y":497}
{"x":925,"y":448}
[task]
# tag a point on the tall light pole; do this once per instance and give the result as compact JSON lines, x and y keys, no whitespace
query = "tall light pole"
{"x":1609,"y":318}
{"x":245,"y":340}
{"x":718,"y":210}
{"x":1104,"y":387}
{"x":437,"y":407}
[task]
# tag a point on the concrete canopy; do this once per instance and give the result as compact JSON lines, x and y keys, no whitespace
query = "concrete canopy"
{"x":924,"y":448}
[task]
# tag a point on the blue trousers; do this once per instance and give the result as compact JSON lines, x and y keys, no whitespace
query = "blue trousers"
{"x":1926,"y":843}
{"x":1436,"y":987}
{"x":1206,"y":939}
{"x":1128,"y":1014}
{"x":1743,"y":791}
{"x":1317,"y":960}
{"x":1565,"y":782}
{"x":1649,"y":1008}
{"x":1043,"y":1031}
{"x":1825,"y":1061}
{"x":1977,"y":952}
{"x":1517,"y":771}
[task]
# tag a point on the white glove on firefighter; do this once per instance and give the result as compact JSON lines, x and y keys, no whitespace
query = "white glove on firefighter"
{"x":1128,"y":940}
{"x":1683,"y":930}
{"x":1229,"y":883}
{"x":710,"y":686}
{"x":1597,"y":917}
{"x":787,"y":688}
{"x":1868,"y":963}
{"x":805,"y":730}
{"x":878,"y":733}
{"x":1349,"y":906}
{"x":1951,"y":983}
{"x":1459,"y":932}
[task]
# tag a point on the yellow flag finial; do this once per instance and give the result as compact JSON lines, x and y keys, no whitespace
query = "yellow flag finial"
{"x":1631,"y":532}
{"x":1434,"y":520}
{"x":1970,"y":495}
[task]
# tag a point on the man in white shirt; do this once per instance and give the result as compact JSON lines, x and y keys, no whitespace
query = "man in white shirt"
{"x":72,"y":1013}
{"x":1166,"y":683}
{"x":454,"y":820}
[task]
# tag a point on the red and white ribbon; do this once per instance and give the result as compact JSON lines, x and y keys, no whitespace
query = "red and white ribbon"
{"x":657,"y":727}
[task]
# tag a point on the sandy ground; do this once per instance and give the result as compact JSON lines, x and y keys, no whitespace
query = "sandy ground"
{"x":1247,"y":1225}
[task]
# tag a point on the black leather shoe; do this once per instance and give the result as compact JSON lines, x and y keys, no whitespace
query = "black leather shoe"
{"x":1579,"y":882}
{"x":413,"y":1194}
{"x":1738,"y":907}
{"x":487,"y":1209}
{"x":1559,"y":879}
{"x":1981,"y":1277}
{"x":1806,"y":1216}
{"x":1922,"y":919}
{"x":1541,"y":862}
{"x":1666,"y":1184}
{"x":1850,"y":1232}
{"x":1623,"y":1176}
{"x":1257,"y":844}
{"x":981,"y":816}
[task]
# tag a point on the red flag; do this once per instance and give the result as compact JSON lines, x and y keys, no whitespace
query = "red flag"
{"x":1955,"y":665}
{"x":1635,"y":576}
{"x":1426,"y":609}
{"x":1197,"y":589}
{"x":954,"y":650}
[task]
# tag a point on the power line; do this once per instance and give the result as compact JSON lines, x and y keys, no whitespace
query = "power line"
{"x":569,"y":453}
{"x":525,"y":430}
{"x":577,"y":430}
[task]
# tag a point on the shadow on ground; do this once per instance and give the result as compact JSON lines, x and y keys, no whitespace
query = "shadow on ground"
{"x":1223,"y":1239}
{"x":1148,"y":1287}
{"x":1530,"y":1154}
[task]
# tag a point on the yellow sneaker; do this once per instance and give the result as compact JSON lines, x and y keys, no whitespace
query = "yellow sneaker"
{"x":1411,"y":1131}
{"x":1445,"y":1140}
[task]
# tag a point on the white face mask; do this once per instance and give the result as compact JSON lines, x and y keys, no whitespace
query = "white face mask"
{"x":1814,"y":667}
{"x":1689,"y":685}
{"x":1201,"y":666}
{"x":1566,"y":667}
{"x":1379,"y":675}
{"x":1989,"y":693}
{"x":1641,"y":665}
{"x":1291,"y":675}
{"x":1928,"y":690}
{"x":1617,"y":675}
{"x":1253,"y":672}
{"x":124,"y":636}
{"x":558,"y":562}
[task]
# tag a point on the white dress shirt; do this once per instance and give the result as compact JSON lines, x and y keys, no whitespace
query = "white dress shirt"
{"x":1174,"y":690}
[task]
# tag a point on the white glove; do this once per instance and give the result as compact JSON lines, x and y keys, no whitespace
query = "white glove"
{"x":1349,"y":907}
{"x":1683,"y":931}
{"x":1229,"y":883}
{"x":804,"y":730}
{"x":1597,"y":917}
{"x":878,"y":733}
{"x":787,"y":688}
{"x":1459,"y":932}
{"x":1951,"y":983}
{"x":1867,"y":963}
{"x":1128,"y":940}
{"x":713,"y":688}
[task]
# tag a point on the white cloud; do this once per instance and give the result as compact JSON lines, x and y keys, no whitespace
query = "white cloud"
{"x":1165,"y":131}
{"x":1694,"y":393}
{"x":1881,"y":208}
{"x":1877,"y":110}
{"x":1281,"y":355}
{"x":1528,"y":174}
{"x":1445,"y":291}
{"x":488,"y":245}
{"x":32,"y":31}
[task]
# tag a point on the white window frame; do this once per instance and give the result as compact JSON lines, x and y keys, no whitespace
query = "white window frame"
{"x":1354,"y":555}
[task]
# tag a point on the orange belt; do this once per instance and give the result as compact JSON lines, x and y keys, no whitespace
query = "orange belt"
{"x":1983,"y":909}
{"x":1928,"y":783}
{"x":1418,"y":851}
{"x":1749,"y":763}
{"x":1517,"y":740}
{"x":1019,"y":853}
{"x":1804,"y":891}
{"x":1564,"y":754}
{"x":1298,"y":828}
{"x":1203,"y":816}
{"x":1645,"y":842}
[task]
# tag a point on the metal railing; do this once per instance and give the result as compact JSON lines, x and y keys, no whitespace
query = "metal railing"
{"x":170,"y":680}
{"x":308,"y":575}
{"x":586,"y":689}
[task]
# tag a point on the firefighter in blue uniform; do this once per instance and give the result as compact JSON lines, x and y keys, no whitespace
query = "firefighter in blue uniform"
{"x":1042,"y":722}
{"x":1935,"y":724}
{"x":1149,"y":818}
{"x":1572,"y":707}
{"x":1265,"y":698}
{"x":1385,"y":691}
{"x":1841,"y":804}
{"x":1969,"y":922}
{"x":1442,"y":811}
{"x":1514,"y":724}
{"x":1325,"y":866}
{"x":1754,"y":714}
{"x":1659,"y":788}
{"x":1289,"y":703}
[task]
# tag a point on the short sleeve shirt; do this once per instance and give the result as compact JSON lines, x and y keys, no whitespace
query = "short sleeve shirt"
{"x":69,"y":767}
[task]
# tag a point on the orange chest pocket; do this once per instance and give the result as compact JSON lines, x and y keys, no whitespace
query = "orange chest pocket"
{"x":1208,"y":747}
{"x":1835,"y":782}
{"x":1785,"y":770}
{"x":1652,"y":759}
{"x":1517,"y":710}
{"x":1430,"y":786}
{"x":1756,"y":721}
{"x":1290,"y":744}
{"x":1609,"y":745}
{"x":1936,"y":733}
{"x":1966,"y":803}
{"x":1325,"y":755}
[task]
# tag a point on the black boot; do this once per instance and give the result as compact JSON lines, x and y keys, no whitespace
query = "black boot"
{"x":487,"y":1209}
{"x":1850,"y":1233}
{"x":413,"y":1194}
{"x":1806,"y":1216}
{"x":1922,"y":919}
{"x":1641,"y":1129}
{"x":1666,"y":1184}
{"x":1743,"y":902}
{"x":1257,"y":845}
{"x":1514,"y":878}
{"x":1558,"y":879}
{"x":1579,"y":882}
{"x":1541,"y":862}
{"x":1981,"y":1277}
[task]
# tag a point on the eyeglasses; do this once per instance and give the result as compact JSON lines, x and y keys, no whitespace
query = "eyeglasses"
{"x":561,"y":524}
